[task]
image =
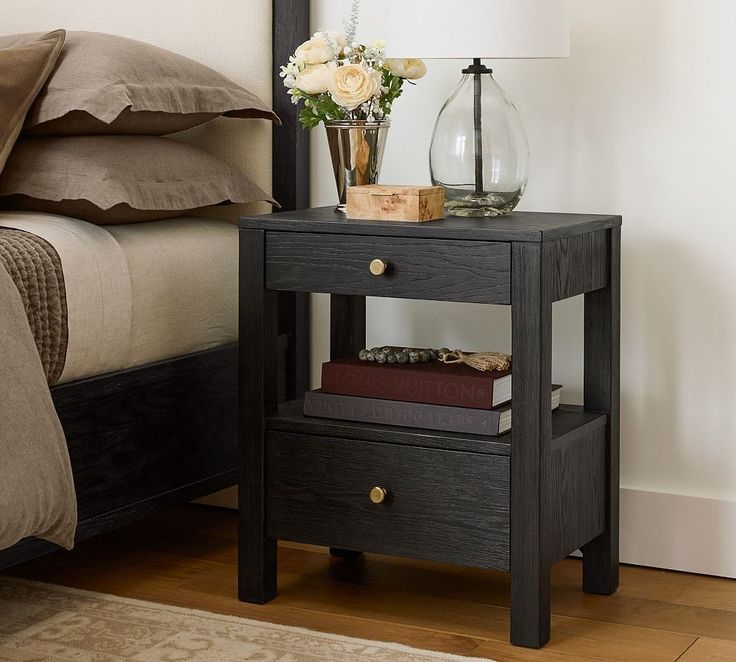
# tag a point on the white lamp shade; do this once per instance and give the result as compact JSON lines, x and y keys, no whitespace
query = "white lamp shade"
{"x":463,"y":29}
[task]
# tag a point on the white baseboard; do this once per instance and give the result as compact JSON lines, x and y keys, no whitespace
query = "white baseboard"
{"x":676,"y":532}
{"x":658,"y":530}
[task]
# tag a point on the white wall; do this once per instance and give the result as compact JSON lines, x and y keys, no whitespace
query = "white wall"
{"x":639,"y":121}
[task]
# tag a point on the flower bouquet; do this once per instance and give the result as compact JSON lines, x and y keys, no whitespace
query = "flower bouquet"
{"x":350,"y":87}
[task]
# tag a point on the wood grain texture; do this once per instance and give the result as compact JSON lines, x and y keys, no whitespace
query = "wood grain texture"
{"x":518,"y":226}
{"x":318,"y":493}
{"x":187,"y":557}
{"x":709,"y":592}
{"x":396,"y":203}
{"x":290,"y":179}
{"x":531,"y":452}
{"x":293,"y":325}
{"x":602,"y":330}
{"x":577,"y":493}
{"x":347,"y":325}
{"x":710,"y":650}
{"x":561,"y":465}
{"x":580,"y":264}
{"x":347,"y":338}
{"x":290,"y":144}
{"x":128,"y":432}
{"x":150,"y":418}
{"x":257,"y":399}
{"x":417,"y":269}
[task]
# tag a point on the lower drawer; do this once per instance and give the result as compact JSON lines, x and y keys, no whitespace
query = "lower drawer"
{"x":439,"y":505}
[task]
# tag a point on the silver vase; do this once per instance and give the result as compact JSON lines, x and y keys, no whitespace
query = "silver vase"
{"x":356,"y":148}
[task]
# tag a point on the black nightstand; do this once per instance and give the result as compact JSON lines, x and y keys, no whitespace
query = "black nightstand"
{"x":517,"y":503}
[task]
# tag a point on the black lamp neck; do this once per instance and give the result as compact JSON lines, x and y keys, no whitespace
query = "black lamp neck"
{"x":477,"y":68}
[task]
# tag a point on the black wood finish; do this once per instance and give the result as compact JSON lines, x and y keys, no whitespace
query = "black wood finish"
{"x":318,"y":493}
{"x":258,"y":399}
{"x":518,"y":502}
{"x":519,"y":226}
{"x":290,"y":158}
{"x":150,"y":418}
{"x":262,"y":313}
{"x":577,"y":491}
{"x":347,"y":325}
{"x":348,"y":554}
{"x":530,"y":456}
{"x":601,"y":392}
{"x":290,"y":146}
{"x":300,"y":345}
{"x":568,"y":423}
{"x":293,"y":325}
{"x":469,"y":271}
{"x":33,"y":547}
{"x":347,"y":338}
{"x":580,"y":264}
{"x":145,"y":437}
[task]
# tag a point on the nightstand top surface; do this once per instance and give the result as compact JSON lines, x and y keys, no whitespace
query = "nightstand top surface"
{"x":518,"y":226}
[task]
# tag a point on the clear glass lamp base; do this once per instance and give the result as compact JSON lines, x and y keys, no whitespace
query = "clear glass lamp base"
{"x":479,"y":152}
{"x":470,"y":203}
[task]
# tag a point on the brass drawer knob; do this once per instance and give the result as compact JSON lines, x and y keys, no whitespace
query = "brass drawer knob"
{"x":377,"y":495}
{"x":378,"y":267}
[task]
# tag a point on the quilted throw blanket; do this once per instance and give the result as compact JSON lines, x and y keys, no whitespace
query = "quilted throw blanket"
{"x":36,"y":486}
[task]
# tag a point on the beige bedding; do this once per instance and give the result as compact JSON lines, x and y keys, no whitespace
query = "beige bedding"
{"x":134,"y":295}
{"x":140,"y":293}
{"x":36,"y":485}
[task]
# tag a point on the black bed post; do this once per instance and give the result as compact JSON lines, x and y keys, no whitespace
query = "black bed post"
{"x":291,"y":180}
{"x":287,"y":312}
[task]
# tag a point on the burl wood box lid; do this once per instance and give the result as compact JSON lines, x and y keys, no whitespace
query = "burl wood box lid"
{"x":378,"y":202}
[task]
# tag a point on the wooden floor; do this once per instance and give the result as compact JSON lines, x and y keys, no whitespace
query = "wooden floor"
{"x":186,"y":557}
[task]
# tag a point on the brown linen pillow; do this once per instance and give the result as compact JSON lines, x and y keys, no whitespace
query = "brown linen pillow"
{"x":119,"y":179}
{"x":23,"y":71}
{"x":106,"y":84}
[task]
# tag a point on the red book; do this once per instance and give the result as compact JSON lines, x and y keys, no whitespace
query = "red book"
{"x":453,"y":385}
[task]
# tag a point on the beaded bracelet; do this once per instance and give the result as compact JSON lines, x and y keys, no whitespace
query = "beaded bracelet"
{"x":400,"y":355}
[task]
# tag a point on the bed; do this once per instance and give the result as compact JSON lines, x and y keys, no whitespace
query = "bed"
{"x":151,"y":417}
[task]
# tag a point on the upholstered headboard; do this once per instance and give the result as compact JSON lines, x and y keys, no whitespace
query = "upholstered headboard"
{"x":233,"y":37}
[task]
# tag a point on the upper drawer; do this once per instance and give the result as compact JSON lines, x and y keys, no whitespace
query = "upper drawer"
{"x":433,"y":269}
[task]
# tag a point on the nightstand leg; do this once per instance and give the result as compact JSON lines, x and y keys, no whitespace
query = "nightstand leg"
{"x":257,"y":400}
{"x":347,"y":325}
{"x":347,"y":338}
{"x":348,"y":554}
{"x":602,"y":338}
{"x":531,"y":304}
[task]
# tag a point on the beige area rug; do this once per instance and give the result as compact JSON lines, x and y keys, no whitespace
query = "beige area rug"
{"x":44,"y":622}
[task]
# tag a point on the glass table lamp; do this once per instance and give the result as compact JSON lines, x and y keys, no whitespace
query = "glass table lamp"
{"x":479,"y":150}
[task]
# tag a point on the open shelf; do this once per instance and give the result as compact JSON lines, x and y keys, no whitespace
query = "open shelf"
{"x":568,"y":422}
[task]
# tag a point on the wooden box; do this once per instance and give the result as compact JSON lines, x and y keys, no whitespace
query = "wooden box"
{"x":377,"y":202}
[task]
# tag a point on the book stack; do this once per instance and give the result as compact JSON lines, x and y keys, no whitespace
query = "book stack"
{"x":435,"y":396}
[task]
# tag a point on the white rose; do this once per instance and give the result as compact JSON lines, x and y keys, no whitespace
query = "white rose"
{"x":314,"y":78}
{"x":339,"y":39}
{"x":317,"y":50}
{"x":353,"y":84}
{"x":314,"y":51}
{"x":410,"y":68}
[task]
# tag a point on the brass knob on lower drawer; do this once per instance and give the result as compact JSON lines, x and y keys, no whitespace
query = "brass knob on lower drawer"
{"x":377,"y":494}
{"x":378,"y":267}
